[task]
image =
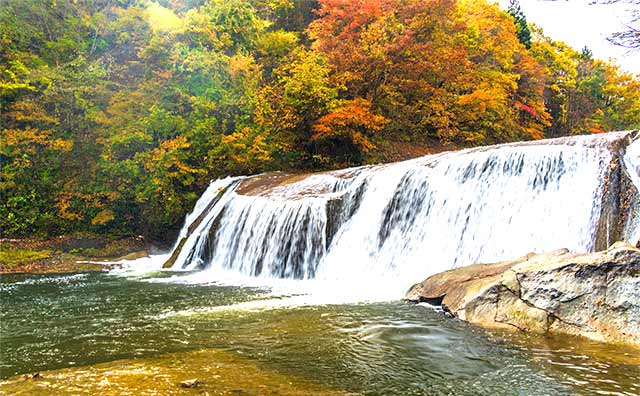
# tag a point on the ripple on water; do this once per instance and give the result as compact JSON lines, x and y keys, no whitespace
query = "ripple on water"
{"x":370,"y":349}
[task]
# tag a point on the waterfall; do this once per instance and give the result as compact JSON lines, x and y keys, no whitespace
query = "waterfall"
{"x":191,"y":237}
{"x":404,"y":221}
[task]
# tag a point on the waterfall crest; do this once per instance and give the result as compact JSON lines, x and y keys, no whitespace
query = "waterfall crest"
{"x":407,"y":220}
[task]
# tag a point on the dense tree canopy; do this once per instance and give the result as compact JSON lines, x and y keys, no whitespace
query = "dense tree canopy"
{"x":116,"y":114}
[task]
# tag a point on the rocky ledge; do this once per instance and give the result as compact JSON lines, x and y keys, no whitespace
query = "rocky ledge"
{"x":594,"y":295}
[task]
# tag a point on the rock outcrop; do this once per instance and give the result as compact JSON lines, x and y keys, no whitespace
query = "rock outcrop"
{"x":594,"y":295}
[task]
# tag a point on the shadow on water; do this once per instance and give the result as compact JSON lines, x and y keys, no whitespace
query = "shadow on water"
{"x":78,"y":321}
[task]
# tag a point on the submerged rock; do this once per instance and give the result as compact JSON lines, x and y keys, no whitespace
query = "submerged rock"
{"x":594,"y":295}
{"x":192,"y":383}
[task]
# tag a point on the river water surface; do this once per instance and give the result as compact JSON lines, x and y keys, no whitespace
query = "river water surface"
{"x":98,"y":326}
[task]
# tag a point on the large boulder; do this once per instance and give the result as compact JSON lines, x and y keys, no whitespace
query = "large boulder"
{"x":595,"y":295}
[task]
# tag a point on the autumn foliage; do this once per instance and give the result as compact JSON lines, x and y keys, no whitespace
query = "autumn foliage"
{"x":116,"y":115}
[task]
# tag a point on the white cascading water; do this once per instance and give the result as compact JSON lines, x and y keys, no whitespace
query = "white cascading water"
{"x":212,"y":201}
{"x":396,"y":224}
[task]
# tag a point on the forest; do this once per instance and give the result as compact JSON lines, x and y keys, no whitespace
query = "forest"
{"x":116,"y":114}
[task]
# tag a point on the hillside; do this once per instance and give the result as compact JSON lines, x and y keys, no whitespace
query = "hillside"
{"x":115,"y":116}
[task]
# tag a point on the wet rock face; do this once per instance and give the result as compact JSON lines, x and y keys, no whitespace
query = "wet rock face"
{"x":620,"y":202}
{"x":594,"y":295}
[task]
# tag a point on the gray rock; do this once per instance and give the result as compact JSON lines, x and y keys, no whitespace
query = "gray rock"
{"x":192,"y":383}
{"x":594,"y":295}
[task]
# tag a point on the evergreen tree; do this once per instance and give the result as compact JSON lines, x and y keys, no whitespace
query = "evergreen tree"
{"x":522,"y":28}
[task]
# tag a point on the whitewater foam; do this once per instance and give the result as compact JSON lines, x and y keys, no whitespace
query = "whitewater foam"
{"x":368,"y":233}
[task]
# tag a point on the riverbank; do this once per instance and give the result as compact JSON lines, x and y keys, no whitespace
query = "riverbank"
{"x":69,"y":253}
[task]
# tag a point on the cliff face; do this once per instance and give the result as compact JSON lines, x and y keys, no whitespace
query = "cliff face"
{"x":620,"y":199}
{"x":594,"y":295}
